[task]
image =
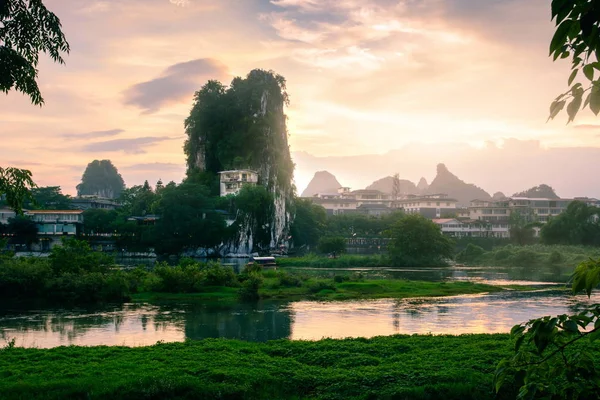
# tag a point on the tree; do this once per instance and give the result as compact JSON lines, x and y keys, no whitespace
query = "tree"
{"x":49,"y":198}
{"x":23,"y":231}
{"x":417,"y":241}
{"x":332,"y":245}
{"x":577,"y":36}
{"x":187,"y":220}
{"x":76,"y":256}
{"x":27,"y":28}
{"x":16,"y":187}
{"x":577,"y":225}
{"x":309,"y":223}
{"x":138,"y":200}
{"x":102,"y":179}
{"x":98,"y":221}
{"x":522,"y":226}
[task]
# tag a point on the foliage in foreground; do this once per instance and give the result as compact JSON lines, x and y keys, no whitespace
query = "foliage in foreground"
{"x":400,"y":367}
{"x":557,"y":357}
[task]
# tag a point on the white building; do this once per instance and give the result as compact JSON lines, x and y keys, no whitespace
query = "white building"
{"x":231,"y":182}
{"x":53,"y":225}
{"x":430,"y":206}
{"x":455,"y":228}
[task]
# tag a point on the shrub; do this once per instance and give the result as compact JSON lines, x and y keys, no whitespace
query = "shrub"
{"x":502,"y":254}
{"x":332,"y":245}
{"x":555,"y":257}
{"x":318,"y":286}
{"x":524,"y":257}
{"x":470,"y":254}
{"x":216,"y":274}
{"x":289,"y":280}
{"x":250,"y":287}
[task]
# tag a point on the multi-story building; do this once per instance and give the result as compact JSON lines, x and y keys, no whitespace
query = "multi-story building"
{"x":88,"y":202}
{"x":231,"y":182}
{"x":53,"y":225}
{"x":529,"y":209}
{"x":429,"y":206}
{"x":456,"y":228}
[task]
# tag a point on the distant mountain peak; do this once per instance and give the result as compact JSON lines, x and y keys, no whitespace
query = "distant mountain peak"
{"x":541,"y":191}
{"x":322,"y":182}
{"x":386,"y":185}
{"x":422,"y":185}
{"x":446,"y":182}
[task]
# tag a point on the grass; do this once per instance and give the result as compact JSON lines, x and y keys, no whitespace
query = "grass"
{"x":394,"y":367}
{"x":343,"y":261}
{"x":529,"y":256}
{"x":328,"y":289}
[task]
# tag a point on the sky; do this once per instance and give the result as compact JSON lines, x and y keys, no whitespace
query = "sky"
{"x":364,"y":77}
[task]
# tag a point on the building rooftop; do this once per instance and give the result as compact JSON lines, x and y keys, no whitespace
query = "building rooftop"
{"x":237,"y":171}
{"x":54,"y":211}
{"x":441,"y":221}
{"x":367,"y":191}
{"x":431,"y":199}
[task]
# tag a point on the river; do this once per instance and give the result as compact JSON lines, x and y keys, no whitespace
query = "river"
{"x":137,"y":324}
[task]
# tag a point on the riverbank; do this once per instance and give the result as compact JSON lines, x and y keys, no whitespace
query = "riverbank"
{"x":403,"y":367}
{"x":327,"y":289}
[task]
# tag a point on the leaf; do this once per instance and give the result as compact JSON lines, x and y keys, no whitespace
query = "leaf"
{"x":588,"y":71}
{"x":519,"y":342}
{"x":595,"y":98}
{"x":571,"y":326}
{"x":593,"y":336}
{"x":573,"y":107}
{"x":556,"y":107}
{"x":573,"y":76}
{"x":560,"y":36}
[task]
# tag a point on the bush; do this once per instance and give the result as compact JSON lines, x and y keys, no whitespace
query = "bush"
{"x":502,"y":254}
{"x":250,"y":287}
{"x":332,"y":245}
{"x":216,"y":274}
{"x":289,"y":280}
{"x":318,"y":286}
{"x":524,"y":257}
{"x":470,"y":254}
{"x":555,"y":257}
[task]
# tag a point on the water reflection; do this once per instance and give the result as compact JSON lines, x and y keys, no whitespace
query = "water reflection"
{"x":144,"y":324}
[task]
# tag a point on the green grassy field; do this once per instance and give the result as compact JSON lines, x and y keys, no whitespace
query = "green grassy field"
{"x":395,"y":367}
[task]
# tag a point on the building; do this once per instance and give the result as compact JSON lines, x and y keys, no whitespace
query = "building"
{"x":231,"y":182}
{"x":95,"y":202}
{"x":6,"y":214}
{"x":370,"y":202}
{"x":429,"y":206}
{"x":529,"y":209}
{"x":455,"y":228}
{"x":53,"y":225}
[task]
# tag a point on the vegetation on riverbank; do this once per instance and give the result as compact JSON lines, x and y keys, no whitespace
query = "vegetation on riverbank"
{"x":403,"y":367}
{"x":527,"y":256}
{"x":343,"y":261}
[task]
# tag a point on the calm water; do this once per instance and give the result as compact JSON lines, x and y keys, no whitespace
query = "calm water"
{"x":143,"y":324}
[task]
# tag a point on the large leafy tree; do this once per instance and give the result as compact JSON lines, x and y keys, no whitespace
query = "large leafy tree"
{"x":101,"y":178}
{"x":309,"y":223}
{"x":417,"y":241}
{"x":187,"y":219}
{"x":577,"y":37}
{"x":27,"y":28}
{"x":577,"y":225}
{"x":16,"y":187}
{"x":49,"y":198}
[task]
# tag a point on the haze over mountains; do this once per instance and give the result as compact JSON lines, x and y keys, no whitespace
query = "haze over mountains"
{"x":508,"y":168}
{"x":445,"y":182}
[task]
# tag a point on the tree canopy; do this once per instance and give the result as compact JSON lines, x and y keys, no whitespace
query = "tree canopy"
{"x":577,"y":225}
{"x":577,"y":36}
{"x":417,"y":241}
{"x":541,"y":191}
{"x":102,"y":179}
{"x":16,"y":187}
{"x":27,"y":28}
{"x":49,"y":198}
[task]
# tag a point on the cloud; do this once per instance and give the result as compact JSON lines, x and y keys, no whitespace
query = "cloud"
{"x":587,"y":127}
{"x":176,"y":83}
{"x":128,"y":146}
{"x":156,"y":166}
{"x":93,"y":134}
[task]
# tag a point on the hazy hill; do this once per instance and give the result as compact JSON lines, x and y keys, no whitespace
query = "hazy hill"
{"x":386,"y":185}
{"x":499,"y":196}
{"x":541,"y":191}
{"x":322,"y":182}
{"x":448,"y":183}
{"x":422,"y":185}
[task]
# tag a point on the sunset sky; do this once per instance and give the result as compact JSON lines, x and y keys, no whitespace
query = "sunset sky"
{"x":364,"y":77}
